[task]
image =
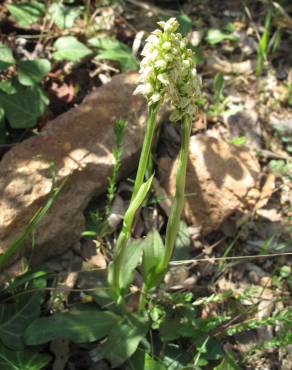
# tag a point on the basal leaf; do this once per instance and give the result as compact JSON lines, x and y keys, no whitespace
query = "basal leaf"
{"x":63,"y":15}
{"x":153,"y":252}
{"x":80,"y":325}
{"x":6,"y":57}
{"x":123,"y":340}
{"x":69,"y":48}
{"x":143,"y":361}
{"x":25,"y":107}
{"x":182,"y":243}
{"x":31,"y":72}
{"x":22,"y":360}
{"x":15,"y":317}
{"x":129,"y":262}
{"x":26,"y":13}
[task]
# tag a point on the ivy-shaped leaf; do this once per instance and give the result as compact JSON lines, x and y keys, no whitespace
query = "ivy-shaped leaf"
{"x":6,"y":57}
{"x":63,"y":15}
{"x":114,"y":50}
{"x":81,"y":325}
{"x":25,"y":107}
{"x":123,"y":340}
{"x":15,"y":317}
{"x":31,"y":72}
{"x":22,"y":360}
{"x":69,"y":48}
{"x":26,"y":13}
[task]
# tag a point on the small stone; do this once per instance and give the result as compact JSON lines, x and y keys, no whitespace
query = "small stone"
{"x":266,"y":282}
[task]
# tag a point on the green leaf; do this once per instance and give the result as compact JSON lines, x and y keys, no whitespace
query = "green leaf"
{"x":218,"y":87}
{"x":6,"y":57}
{"x":153,"y":252}
{"x":15,"y":317}
{"x":182,"y":243}
{"x":31,"y":72}
{"x":129,"y":262}
{"x":114,"y":50}
{"x":80,"y":325}
{"x":215,"y":36}
{"x":123,"y":340}
{"x":143,"y":361}
{"x":26,"y":13}
{"x":69,"y":48}
{"x":25,"y":107}
{"x":63,"y":15}
{"x":7,"y":87}
{"x":228,"y":363}
{"x":2,"y":126}
{"x":22,"y":360}
{"x":137,"y":201}
{"x":240,"y":140}
{"x":185,"y":24}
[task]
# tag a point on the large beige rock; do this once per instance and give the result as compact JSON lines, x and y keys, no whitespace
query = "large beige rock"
{"x":219,"y":177}
{"x":80,"y":143}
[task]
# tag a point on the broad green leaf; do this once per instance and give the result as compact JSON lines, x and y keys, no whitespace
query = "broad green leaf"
{"x":7,"y":87}
{"x":26,"y":13}
{"x":182,"y":247}
{"x":15,"y":317}
{"x":153,"y":252}
{"x":6,"y":57}
{"x":69,"y":48}
{"x":22,"y":360}
{"x":143,"y":361}
{"x":185,"y":24}
{"x":129,"y":262}
{"x":123,"y":340}
{"x":106,"y":43}
{"x":126,"y":59}
{"x":114,"y":50}
{"x":63,"y":15}
{"x":80,"y":325}
{"x":31,"y":72}
{"x":215,"y":36}
{"x":25,"y":107}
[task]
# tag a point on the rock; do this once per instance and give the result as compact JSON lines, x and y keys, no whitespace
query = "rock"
{"x":80,"y":143}
{"x":219,"y":177}
{"x":245,"y":123}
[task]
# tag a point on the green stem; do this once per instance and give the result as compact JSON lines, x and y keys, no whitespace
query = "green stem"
{"x":147,"y":143}
{"x":127,"y":224}
{"x":178,"y":203}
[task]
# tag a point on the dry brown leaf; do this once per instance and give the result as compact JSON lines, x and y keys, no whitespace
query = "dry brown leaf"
{"x":266,"y":192}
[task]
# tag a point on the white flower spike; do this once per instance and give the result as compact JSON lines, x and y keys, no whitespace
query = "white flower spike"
{"x":168,"y":71}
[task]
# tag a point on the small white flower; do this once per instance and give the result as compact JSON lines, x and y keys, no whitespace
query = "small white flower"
{"x":166,"y":45}
{"x":160,"y":64}
{"x":162,"y":77}
{"x":168,"y":71}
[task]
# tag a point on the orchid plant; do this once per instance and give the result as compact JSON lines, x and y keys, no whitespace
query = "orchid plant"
{"x":168,"y":75}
